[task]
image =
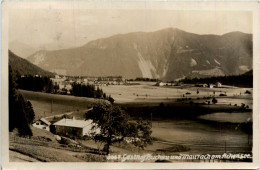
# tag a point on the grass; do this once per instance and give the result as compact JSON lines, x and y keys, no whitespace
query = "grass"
{"x":18,"y":157}
{"x":43,"y":154}
{"x":145,"y":94}
{"x":38,"y":150}
{"x":149,"y":93}
{"x":88,"y":157}
{"x":53,"y":104}
{"x":42,"y":134}
{"x":49,"y":150}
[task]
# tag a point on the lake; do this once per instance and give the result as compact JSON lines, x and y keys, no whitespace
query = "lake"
{"x":228,"y":117}
{"x":206,"y":137}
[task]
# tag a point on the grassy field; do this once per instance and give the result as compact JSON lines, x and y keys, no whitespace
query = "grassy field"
{"x":43,"y":147}
{"x":53,"y":104}
{"x":150,"y":93}
{"x":19,"y":157}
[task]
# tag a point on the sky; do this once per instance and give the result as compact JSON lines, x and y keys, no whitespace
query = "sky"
{"x":52,"y":29}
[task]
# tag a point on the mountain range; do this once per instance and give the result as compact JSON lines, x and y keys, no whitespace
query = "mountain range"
{"x":167,"y":54}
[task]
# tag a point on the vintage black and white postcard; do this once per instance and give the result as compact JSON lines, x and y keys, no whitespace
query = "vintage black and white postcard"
{"x":116,"y":85}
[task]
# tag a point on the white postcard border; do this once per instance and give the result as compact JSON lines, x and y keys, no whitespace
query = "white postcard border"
{"x":229,"y":6}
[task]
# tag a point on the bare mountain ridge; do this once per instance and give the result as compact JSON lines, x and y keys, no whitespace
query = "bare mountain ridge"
{"x":166,"y":54}
{"x":21,"y":49}
{"x":24,"y":67}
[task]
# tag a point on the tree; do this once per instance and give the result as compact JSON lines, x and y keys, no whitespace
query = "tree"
{"x":56,"y":88}
{"x":111,"y":99}
{"x":214,"y":100}
{"x":17,"y":109}
{"x":104,"y":96}
{"x":30,"y":115}
{"x":115,"y":126}
{"x":50,"y":87}
{"x":12,"y":99}
{"x":22,"y":123}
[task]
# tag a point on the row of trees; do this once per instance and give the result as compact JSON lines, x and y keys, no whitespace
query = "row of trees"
{"x":144,"y":79}
{"x":245,"y":80}
{"x":35,"y":83}
{"x":89,"y":91}
{"x":21,"y":113}
{"x":45,"y":84}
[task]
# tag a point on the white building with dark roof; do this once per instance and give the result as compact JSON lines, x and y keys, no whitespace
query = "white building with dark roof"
{"x":42,"y":124}
{"x":68,"y":127}
{"x":218,"y":84}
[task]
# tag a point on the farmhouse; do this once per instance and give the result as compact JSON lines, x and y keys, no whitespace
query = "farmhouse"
{"x":201,"y":85}
{"x":58,"y":81}
{"x":67,"y":127}
{"x":160,"y":84}
{"x":218,"y":84}
{"x":210,"y":86}
{"x":42,"y":124}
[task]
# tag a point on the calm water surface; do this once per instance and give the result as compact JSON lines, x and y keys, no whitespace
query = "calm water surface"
{"x":206,"y":138}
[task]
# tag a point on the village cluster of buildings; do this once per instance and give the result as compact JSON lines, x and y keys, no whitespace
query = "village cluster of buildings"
{"x":165,"y":84}
{"x":216,"y":85}
{"x":65,"y":83}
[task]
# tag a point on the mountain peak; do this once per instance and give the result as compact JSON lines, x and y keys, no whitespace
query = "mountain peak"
{"x":236,"y":33}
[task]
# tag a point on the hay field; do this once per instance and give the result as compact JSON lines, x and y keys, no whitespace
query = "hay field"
{"x":53,"y":104}
{"x":45,"y":104}
{"x":150,"y":93}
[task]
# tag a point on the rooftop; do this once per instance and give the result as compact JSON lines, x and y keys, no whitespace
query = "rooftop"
{"x":45,"y":121}
{"x":73,"y":123}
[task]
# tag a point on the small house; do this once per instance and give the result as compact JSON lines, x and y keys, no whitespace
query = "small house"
{"x":61,"y":86}
{"x":57,"y":77}
{"x":218,"y":84}
{"x":42,"y":124}
{"x":68,"y":87}
{"x":160,"y":84}
{"x":211,"y":86}
{"x":73,"y":127}
{"x":201,"y":85}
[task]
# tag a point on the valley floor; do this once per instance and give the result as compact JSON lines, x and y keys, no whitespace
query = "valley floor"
{"x":172,"y":136}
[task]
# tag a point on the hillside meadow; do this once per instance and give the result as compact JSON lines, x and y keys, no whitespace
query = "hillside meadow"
{"x":45,"y":104}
